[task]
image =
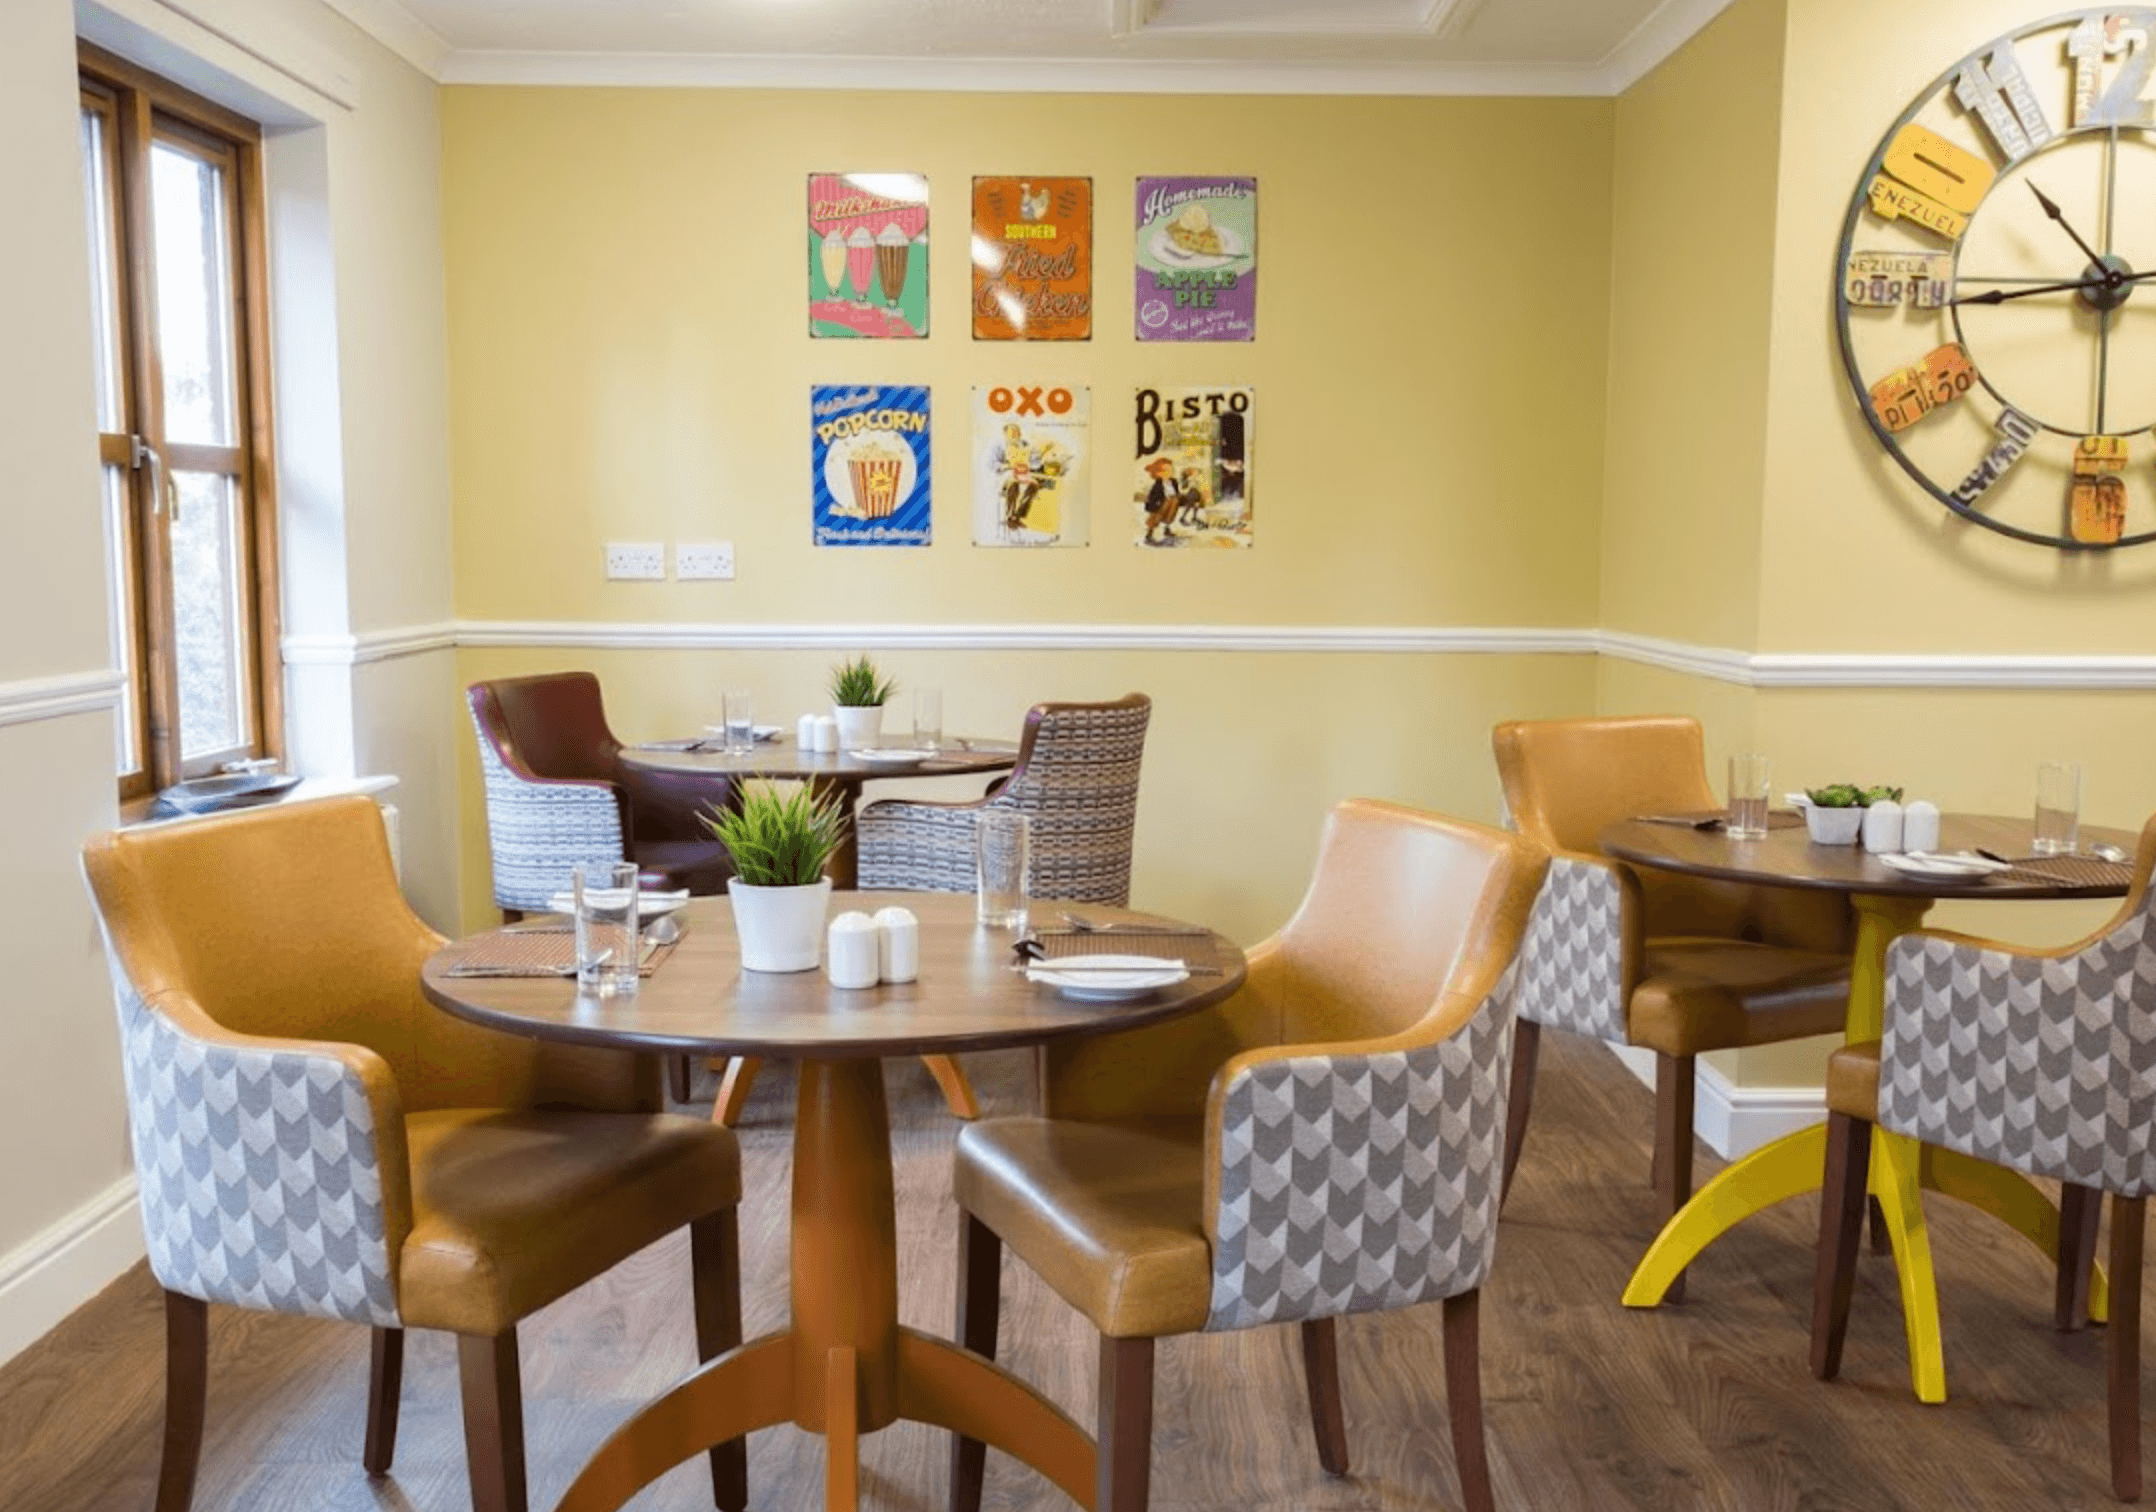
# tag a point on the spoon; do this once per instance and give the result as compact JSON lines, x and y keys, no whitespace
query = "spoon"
{"x":1095,"y":926}
{"x":664,"y":930}
{"x":2104,"y":850}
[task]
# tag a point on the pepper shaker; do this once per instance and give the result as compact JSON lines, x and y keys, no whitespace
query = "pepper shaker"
{"x":1882,"y":826}
{"x":1920,"y":825}
{"x":898,"y":934}
{"x":850,"y":953}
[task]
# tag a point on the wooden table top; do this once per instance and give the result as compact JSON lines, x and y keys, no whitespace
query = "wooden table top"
{"x":701,"y":1001}
{"x":1788,"y":858}
{"x":780,"y":758}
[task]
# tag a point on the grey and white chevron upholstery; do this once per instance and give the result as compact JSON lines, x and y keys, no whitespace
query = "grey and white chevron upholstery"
{"x":537,"y":832}
{"x":1571,"y":965}
{"x":257,"y":1172}
{"x":1354,"y":1183}
{"x":2047,"y":1066}
{"x":1079,"y":785}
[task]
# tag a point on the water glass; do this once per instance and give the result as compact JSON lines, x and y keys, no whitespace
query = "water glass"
{"x":928,"y":718}
{"x":1749,"y":789}
{"x":608,"y":945}
{"x":1000,"y":842}
{"x":740,"y":722}
{"x":2058,"y":808}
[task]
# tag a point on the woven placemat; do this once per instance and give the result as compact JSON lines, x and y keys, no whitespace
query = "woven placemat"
{"x":1714,"y":819}
{"x":533,"y":953}
{"x":1193,"y":947}
{"x":2074,"y":871}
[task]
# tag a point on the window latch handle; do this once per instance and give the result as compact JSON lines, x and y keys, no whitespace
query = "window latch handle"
{"x":162,"y":493}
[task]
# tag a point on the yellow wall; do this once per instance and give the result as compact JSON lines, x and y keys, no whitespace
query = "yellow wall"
{"x":629,"y":360}
{"x":1693,"y":221}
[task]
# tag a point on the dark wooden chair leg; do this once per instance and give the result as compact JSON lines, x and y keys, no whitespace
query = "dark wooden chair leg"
{"x":1463,"y":1399}
{"x":1526,"y":1050}
{"x":512,"y":915}
{"x":1882,"y":1241}
{"x":493,"y":1420}
{"x":1673,"y":1097}
{"x":734,"y":1089}
{"x":678,"y":1072}
{"x":1842,"y":1205}
{"x":187,"y":1377}
{"x":715,"y":1284}
{"x":980,"y":1301}
{"x":1321,"y":1372}
{"x":2128,"y":1217}
{"x":1123,"y":1481}
{"x":2079,"y":1209}
{"x":385,"y":1385}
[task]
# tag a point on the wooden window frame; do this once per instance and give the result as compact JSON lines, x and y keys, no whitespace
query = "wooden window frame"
{"x":141,"y":108}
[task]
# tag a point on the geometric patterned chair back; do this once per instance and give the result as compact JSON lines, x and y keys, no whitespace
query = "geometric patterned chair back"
{"x":1367,"y":1178}
{"x":2042,"y":1063}
{"x":544,"y":822}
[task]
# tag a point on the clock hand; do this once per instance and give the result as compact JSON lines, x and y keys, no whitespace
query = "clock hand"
{"x":2001,"y":296}
{"x":2051,"y":209}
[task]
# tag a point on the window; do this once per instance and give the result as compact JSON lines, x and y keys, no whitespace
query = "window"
{"x":173,"y":194}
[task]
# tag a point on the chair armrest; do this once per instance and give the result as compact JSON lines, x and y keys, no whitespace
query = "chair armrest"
{"x":1580,"y":956}
{"x":1405,"y":1133}
{"x":538,"y":828}
{"x":272,"y":1173}
{"x":912,"y":846}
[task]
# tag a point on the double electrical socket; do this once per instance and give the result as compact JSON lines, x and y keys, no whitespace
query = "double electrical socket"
{"x":645,"y":561}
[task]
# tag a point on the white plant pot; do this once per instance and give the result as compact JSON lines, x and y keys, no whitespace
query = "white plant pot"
{"x":860,"y":726}
{"x":780,"y":928}
{"x":1833,"y":826}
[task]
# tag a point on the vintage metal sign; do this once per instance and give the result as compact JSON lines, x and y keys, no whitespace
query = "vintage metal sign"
{"x":1197,"y":259}
{"x":1193,"y":471}
{"x":1033,"y":259}
{"x":869,"y":464}
{"x":1032,"y":464}
{"x":868,"y":254}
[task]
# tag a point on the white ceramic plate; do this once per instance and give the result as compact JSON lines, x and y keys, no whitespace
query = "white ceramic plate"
{"x":1931,"y":864}
{"x":1109,"y":978}
{"x":648,"y":905}
{"x":891,"y":756}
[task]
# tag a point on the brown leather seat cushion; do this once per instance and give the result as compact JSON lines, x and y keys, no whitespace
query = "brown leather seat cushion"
{"x":1853,"y":1080}
{"x":1108,"y":1214}
{"x":512,"y":1210}
{"x":700,"y":866}
{"x":1696,"y":995}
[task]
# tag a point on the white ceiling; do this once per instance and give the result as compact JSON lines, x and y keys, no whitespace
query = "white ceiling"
{"x":1376,"y":46}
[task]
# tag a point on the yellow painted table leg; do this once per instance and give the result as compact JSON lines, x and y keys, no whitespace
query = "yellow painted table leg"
{"x":1770,"y":1174}
{"x":2011,"y":1198}
{"x":1896,"y":1161}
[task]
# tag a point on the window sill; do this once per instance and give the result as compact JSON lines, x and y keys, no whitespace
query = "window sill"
{"x":135,"y":812}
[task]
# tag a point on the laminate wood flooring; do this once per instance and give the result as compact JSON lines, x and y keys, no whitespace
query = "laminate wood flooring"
{"x":1707,"y":1405}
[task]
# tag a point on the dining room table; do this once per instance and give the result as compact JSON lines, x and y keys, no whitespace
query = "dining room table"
{"x":843,"y":1366}
{"x":779,"y":757}
{"x":1887,"y":902}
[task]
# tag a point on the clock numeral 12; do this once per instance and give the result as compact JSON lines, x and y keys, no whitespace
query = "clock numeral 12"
{"x":2089,"y":44}
{"x":2098,"y":511}
{"x":1998,"y":91}
{"x":1907,"y":395}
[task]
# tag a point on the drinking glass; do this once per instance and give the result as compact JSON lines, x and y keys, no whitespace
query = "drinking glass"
{"x":1748,"y":791}
{"x":1000,"y":842}
{"x":608,"y":946}
{"x":928,"y":718}
{"x":740,"y":722}
{"x":2058,"y":808}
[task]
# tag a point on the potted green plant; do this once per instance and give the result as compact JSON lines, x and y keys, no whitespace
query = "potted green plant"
{"x":858,"y":694}
{"x":780,"y":840}
{"x":1835,"y":814}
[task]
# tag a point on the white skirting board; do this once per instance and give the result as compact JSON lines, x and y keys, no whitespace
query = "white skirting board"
{"x":44,"y":1280}
{"x":1736,"y":1120}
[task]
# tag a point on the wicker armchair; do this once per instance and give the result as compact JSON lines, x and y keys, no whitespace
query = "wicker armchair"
{"x":1076,"y":778}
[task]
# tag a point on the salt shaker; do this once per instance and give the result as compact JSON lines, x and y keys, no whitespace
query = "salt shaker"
{"x":826,"y":733}
{"x":850,"y":953}
{"x":1882,"y":826}
{"x":1920,"y":825}
{"x":805,"y":733}
{"x":899,"y":935}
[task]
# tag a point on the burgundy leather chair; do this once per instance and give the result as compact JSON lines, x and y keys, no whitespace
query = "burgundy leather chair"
{"x":559,"y":793}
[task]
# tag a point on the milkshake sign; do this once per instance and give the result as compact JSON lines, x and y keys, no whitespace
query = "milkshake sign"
{"x":868,"y":254}
{"x":1197,"y":259}
{"x":869,"y":465}
{"x":1032,"y":259}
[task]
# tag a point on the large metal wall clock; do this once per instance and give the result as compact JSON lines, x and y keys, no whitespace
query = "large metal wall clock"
{"x":1996,"y":290}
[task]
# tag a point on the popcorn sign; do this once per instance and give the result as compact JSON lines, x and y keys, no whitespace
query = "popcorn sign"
{"x":869,"y":465}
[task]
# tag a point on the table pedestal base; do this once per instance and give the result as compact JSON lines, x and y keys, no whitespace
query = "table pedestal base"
{"x":845,"y":1368}
{"x":1901,"y":1168}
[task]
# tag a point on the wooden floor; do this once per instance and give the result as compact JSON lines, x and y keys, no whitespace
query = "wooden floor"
{"x":1707,"y":1405}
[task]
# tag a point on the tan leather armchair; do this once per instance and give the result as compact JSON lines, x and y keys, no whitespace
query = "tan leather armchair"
{"x":1172,"y":1185}
{"x":312,"y":1136}
{"x":1635,"y":956}
{"x":2035,"y":1059}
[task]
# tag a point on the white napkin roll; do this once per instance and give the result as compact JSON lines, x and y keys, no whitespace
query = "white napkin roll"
{"x":898,"y":934}
{"x":850,"y":951}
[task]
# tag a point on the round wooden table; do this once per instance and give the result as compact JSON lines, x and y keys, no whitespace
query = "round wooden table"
{"x":844,"y":1367}
{"x":1887,"y":903}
